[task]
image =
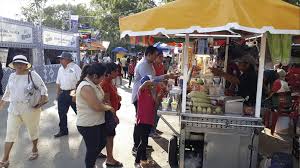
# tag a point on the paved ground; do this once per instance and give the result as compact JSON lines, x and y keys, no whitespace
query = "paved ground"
{"x":68,"y":152}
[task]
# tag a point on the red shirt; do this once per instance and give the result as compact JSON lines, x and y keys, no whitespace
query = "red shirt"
{"x":159,"y":69}
{"x":110,"y":89}
{"x":276,"y":85}
{"x":119,"y":69}
{"x":131,"y":68}
{"x":293,"y":77}
{"x":146,"y":107}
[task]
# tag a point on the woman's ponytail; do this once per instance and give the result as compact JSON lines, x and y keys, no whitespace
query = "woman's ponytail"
{"x":84,"y":73}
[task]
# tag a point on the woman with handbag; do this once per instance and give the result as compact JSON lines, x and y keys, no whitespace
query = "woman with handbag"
{"x":111,"y":120}
{"x":23,"y":86}
{"x":91,"y":110}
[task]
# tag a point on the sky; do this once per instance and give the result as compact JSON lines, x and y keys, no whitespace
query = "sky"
{"x":12,"y":8}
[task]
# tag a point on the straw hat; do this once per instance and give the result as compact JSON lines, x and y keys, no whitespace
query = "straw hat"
{"x":20,"y":59}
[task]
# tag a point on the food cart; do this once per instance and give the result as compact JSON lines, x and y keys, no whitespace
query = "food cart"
{"x":227,"y":140}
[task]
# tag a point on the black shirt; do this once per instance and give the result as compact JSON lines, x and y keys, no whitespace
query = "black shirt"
{"x":248,"y":86}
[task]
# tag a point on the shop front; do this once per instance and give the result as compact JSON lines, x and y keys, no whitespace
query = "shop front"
{"x":41,"y":45}
{"x":54,"y":43}
{"x":15,"y":38}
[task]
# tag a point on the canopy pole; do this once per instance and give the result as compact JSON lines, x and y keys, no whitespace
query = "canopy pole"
{"x":262,"y":56}
{"x":184,"y":90}
{"x":226,"y":58}
{"x":185,"y":72}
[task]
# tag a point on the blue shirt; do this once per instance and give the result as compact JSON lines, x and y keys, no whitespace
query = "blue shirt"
{"x":142,"y":69}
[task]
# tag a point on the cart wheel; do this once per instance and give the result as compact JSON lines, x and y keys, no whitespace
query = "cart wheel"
{"x":173,"y":152}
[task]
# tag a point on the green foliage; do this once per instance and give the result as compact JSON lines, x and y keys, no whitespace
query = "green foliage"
{"x":33,"y":11}
{"x":294,"y":2}
{"x":108,"y":13}
{"x":56,"y":16}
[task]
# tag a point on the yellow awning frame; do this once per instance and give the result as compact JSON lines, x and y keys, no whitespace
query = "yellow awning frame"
{"x":274,"y":16}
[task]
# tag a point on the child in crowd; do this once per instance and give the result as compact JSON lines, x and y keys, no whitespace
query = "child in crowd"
{"x":131,"y":71}
{"x":148,"y":102}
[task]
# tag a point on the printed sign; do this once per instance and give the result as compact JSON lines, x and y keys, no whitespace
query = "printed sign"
{"x":74,"y":23}
{"x":56,"y":38}
{"x":15,"y":33}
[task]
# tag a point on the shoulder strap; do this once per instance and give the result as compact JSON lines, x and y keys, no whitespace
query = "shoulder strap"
{"x":30,"y":79}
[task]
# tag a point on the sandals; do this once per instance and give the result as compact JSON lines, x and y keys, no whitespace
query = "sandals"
{"x":101,"y":156}
{"x":33,"y":156}
{"x":116,"y":164}
{"x":147,"y":164}
{"x":4,"y":164}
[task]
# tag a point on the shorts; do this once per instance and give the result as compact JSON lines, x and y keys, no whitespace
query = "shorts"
{"x":31,"y":121}
{"x":111,"y":132}
{"x":110,"y":124}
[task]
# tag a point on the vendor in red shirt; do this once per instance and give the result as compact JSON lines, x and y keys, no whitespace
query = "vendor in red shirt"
{"x":158,"y":64}
{"x":148,"y":102}
{"x":113,"y":99}
{"x":293,"y":77}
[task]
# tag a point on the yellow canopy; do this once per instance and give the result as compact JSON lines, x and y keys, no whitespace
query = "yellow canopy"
{"x":189,"y":16}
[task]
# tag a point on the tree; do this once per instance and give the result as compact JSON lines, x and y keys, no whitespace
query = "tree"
{"x":56,"y":16}
{"x":108,"y":13}
{"x":294,"y":2}
{"x":33,"y":12}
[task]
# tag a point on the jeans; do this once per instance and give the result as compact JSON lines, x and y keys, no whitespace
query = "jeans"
{"x":143,"y":131}
{"x":125,"y":69}
{"x":95,"y":140}
{"x":64,"y":102}
{"x":155,"y":123}
{"x":130,"y":79}
{"x":135,"y":137}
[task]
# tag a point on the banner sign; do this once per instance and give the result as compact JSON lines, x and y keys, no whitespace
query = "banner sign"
{"x":74,"y":23}
{"x":15,"y":33}
{"x":56,"y":38}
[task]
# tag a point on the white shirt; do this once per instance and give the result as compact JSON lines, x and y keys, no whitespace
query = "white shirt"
{"x":68,"y":77}
{"x":15,"y":92}
{"x":123,"y":61}
{"x":284,"y":87}
{"x":142,"y":69}
{"x":106,"y":60}
{"x":86,"y":116}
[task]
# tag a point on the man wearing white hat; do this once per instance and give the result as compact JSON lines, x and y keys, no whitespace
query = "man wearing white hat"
{"x":67,"y":78}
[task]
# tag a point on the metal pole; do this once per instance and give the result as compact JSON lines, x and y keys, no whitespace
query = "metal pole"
{"x":184,"y":90}
{"x":185,"y":72}
{"x":260,"y":74}
{"x":70,"y":22}
{"x":226,"y":54}
{"x":226,"y":58}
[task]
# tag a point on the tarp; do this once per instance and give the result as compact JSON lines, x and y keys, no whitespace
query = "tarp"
{"x":189,"y":16}
{"x":280,"y":46}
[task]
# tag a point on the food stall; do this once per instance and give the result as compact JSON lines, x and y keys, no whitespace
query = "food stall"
{"x":225,"y":136}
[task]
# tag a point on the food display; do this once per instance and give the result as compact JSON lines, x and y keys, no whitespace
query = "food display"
{"x":170,"y":103}
{"x":165,"y":104}
{"x":174,"y":104}
{"x":201,"y":103}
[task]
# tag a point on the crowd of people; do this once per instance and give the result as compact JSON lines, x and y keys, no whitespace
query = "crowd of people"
{"x":92,"y":94}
